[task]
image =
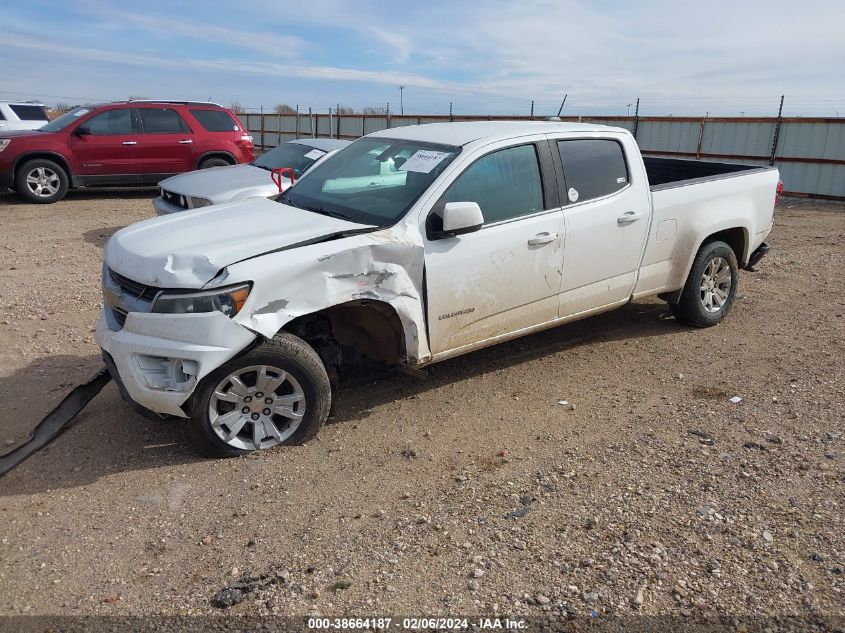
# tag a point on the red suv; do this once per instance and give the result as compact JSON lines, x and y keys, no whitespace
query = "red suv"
{"x":127,"y":143}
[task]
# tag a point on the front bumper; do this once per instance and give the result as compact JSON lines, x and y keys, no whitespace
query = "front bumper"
{"x":160,"y":358}
{"x":163,"y":207}
{"x":7,"y":181}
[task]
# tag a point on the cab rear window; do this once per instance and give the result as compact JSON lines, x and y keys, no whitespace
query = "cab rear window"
{"x":215,"y":120}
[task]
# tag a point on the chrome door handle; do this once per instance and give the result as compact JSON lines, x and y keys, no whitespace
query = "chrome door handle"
{"x":542,"y":238}
{"x":629,"y":216}
{"x":130,"y":142}
{"x":185,"y":141}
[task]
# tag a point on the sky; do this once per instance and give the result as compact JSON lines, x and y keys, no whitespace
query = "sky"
{"x":483,"y":56}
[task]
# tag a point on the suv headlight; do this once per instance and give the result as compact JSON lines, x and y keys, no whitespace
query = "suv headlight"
{"x":228,"y":300}
{"x":4,"y":143}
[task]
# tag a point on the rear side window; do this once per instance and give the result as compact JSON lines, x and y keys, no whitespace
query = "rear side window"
{"x":162,"y":121}
{"x":593,"y":168}
{"x":110,"y":123}
{"x":506,"y":184}
{"x":215,"y":120}
{"x":29,"y":112}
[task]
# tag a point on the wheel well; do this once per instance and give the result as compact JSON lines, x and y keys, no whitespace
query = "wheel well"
{"x":735,"y":238}
{"x":342,"y":333}
{"x":56,"y":158}
{"x":224,"y":155}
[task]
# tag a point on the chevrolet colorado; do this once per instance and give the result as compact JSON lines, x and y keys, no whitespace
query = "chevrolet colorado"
{"x":407,"y":247}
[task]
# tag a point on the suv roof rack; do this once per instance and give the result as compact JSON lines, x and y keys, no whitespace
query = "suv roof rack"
{"x":211,"y":103}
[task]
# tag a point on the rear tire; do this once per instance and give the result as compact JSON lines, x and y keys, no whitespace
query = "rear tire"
{"x":41,"y":181}
{"x":711,"y":286}
{"x":276,"y":394}
{"x":214,"y":162}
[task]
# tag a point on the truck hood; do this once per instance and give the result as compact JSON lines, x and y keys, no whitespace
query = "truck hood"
{"x":223,"y":184}
{"x":188,"y":249}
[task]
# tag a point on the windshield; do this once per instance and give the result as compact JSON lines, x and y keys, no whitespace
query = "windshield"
{"x":65,"y":120}
{"x":293,"y":155}
{"x":372,"y":181}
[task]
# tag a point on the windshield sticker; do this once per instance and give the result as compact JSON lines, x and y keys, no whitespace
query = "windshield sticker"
{"x":314,"y":154}
{"x":572,"y":194}
{"x":81,"y":112}
{"x":423,"y":161}
{"x":619,"y":181}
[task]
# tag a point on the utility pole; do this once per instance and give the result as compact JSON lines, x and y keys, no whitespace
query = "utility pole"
{"x":401,"y":100}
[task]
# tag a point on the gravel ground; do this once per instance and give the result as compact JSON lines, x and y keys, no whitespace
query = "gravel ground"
{"x":473,"y":491}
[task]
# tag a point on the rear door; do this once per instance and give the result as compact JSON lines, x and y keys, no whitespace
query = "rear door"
{"x":506,"y":276}
{"x":110,"y":151}
{"x":607,"y":211}
{"x":166,"y":145}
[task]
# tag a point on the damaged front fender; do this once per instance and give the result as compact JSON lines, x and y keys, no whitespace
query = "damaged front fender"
{"x":384,"y":266}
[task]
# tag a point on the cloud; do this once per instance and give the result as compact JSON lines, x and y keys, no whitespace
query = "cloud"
{"x":265,"y":43}
{"x":233,"y":66}
{"x":490,"y":55}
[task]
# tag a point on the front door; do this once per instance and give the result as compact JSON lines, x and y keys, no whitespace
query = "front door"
{"x":506,"y":276}
{"x":166,"y":145}
{"x":110,"y":152}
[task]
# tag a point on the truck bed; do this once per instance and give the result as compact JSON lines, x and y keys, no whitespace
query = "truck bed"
{"x":694,"y":199}
{"x":673,"y":172}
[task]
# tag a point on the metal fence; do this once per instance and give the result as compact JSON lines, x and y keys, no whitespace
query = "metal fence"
{"x":810,"y":152}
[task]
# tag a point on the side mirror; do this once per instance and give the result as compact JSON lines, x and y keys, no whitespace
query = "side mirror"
{"x":82,"y":130}
{"x":461,"y":217}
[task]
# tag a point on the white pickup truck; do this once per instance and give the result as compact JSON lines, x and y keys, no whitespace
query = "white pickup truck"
{"x":407,"y":247}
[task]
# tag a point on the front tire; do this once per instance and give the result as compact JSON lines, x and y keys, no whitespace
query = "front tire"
{"x":41,"y":181}
{"x":276,"y":394}
{"x":711,"y":286}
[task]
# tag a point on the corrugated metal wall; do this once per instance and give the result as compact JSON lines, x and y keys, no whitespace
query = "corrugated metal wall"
{"x":810,"y":152}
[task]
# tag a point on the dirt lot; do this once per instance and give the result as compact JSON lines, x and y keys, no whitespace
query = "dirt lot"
{"x":404,"y":504}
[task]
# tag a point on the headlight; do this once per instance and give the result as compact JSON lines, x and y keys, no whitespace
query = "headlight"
{"x":4,"y":143}
{"x":197,"y":203}
{"x":229,"y":301}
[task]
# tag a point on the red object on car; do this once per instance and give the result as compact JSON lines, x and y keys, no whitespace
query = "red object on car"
{"x":778,"y":191}
{"x":126,"y":143}
{"x":277,"y":174}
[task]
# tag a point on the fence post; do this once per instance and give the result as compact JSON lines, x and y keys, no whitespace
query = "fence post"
{"x":450,"y":112}
{"x":310,"y":123}
{"x":363,"y":123}
{"x":261,"y":114}
{"x":777,"y":132}
{"x":388,"y":115}
{"x":278,"y":128}
{"x":331,"y":122}
{"x":337,"y":116}
{"x":636,"y":118}
{"x":700,"y":137}
{"x":297,"y":120}
{"x":532,"y":108}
